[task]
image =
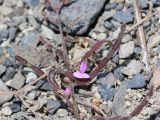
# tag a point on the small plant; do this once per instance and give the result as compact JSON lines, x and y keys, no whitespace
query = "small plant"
{"x":79,"y":77}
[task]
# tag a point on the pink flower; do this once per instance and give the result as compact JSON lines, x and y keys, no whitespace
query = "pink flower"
{"x":81,"y":74}
{"x":67,"y":91}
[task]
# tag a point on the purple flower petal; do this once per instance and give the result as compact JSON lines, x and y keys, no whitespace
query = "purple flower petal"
{"x":80,"y":75}
{"x":67,"y":91}
{"x":83,"y":67}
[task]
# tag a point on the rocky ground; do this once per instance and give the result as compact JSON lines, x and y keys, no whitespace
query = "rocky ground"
{"x":119,"y":87}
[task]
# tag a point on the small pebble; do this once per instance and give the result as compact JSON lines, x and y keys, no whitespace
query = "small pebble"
{"x":138,"y":81}
{"x":16,"y":106}
{"x":106,"y":91}
{"x":124,"y":16}
{"x":126,"y":50}
{"x":62,"y":112}
{"x":30,"y":77}
{"x":6,"y":111}
{"x":10,"y":72}
{"x":134,"y":67}
{"x":53,"y":106}
{"x":128,"y":103}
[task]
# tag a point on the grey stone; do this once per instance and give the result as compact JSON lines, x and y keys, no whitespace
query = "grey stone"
{"x":1,"y":51}
{"x":126,"y":50}
{"x":17,"y":82}
{"x":119,"y":100}
{"x":44,"y":85}
{"x":8,"y":10}
{"x":158,"y":62}
{"x":156,"y":2}
{"x":85,"y":10}
{"x":153,"y":41}
{"x":106,"y":91}
{"x":138,"y":81}
{"x":124,"y":16}
{"x":108,"y":25}
{"x":143,"y":4}
{"x":2,"y":69}
{"x":30,"y":77}
{"x":53,"y":106}
{"x":137,"y":50}
{"x":118,"y":74}
{"x":6,"y":111}
{"x":4,"y":88}
{"x":33,"y":94}
{"x":48,"y":33}
{"x":12,"y":33}
{"x":110,"y":6}
{"x":4,"y":33}
{"x":10,"y":72}
{"x":119,"y":7}
{"x":8,"y":62}
{"x":126,"y":38}
{"x":16,"y":106}
{"x":32,"y":3}
{"x":108,"y":79}
{"x":29,"y":39}
{"x":134,"y":67}
{"x":10,"y":52}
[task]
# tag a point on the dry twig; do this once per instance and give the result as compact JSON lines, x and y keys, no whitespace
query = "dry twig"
{"x":141,"y":36}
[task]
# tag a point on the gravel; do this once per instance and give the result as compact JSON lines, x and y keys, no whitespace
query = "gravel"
{"x":53,"y":106}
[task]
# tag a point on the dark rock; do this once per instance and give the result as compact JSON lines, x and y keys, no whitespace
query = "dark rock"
{"x":156,"y":2}
{"x":10,"y":72}
{"x":44,"y":85}
{"x":108,"y":79}
{"x":85,"y":10}
{"x":12,"y":33}
{"x":4,"y":33}
{"x":118,"y":74}
{"x":29,"y":39}
{"x":110,"y":6}
{"x":124,"y":16}
{"x":16,"y":106}
{"x":53,"y":106}
{"x":106,"y":91}
{"x":138,"y":81}
{"x":2,"y":69}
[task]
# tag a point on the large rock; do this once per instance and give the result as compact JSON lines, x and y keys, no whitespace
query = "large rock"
{"x":78,"y":16}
